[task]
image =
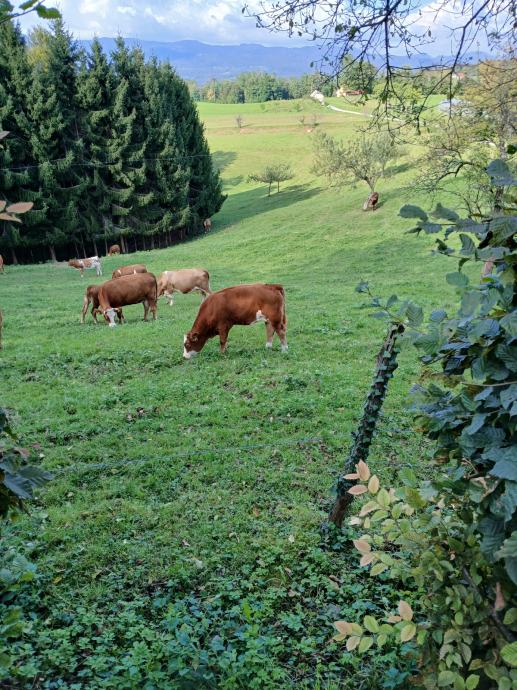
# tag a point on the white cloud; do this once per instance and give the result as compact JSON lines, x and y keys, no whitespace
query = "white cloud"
{"x":220,"y":21}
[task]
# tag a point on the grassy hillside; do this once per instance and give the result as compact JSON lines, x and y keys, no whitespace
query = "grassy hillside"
{"x":179,"y":543}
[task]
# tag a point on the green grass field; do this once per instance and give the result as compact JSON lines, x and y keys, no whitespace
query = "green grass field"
{"x":179,"y":544}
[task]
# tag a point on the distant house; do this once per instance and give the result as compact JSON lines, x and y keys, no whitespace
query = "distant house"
{"x":318,"y":96}
{"x":342,"y":92}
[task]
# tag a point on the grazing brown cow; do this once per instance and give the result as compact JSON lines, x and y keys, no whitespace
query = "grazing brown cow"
{"x":132,"y":289}
{"x":241,"y":305}
{"x":128,"y":270}
{"x":371,"y":202}
{"x":92,"y":295}
{"x":207,"y":224}
{"x":81,"y":264}
{"x":184,"y":280}
{"x":114,"y":249}
{"x":1,"y":264}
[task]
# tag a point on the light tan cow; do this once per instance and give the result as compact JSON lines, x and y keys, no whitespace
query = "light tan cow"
{"x":184,"y":280}
{"x":128,"y":270}
{"x":207,"y":224}
{"x":114,"y":249}
{"x":1,"y":264}
{"x":81,"y":264}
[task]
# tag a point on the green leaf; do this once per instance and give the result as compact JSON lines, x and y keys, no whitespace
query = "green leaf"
{"x":371,"y":624}
{"x":510,"y":617}
{"x":467,"y":245}
{"x":446,"y":678}
{"x":446,"y":213}
{"x":472,"y":682}
{"x":407,"y":632}
{"x":410,"y":211}
{"x":509,"y":654}
{"x":506,"y":469}
{"x":365,"y":644}
{"x":509,"y":323}
{"x":458,"y":279}
{"x":48,"y":12}
{"x":27,"y":5}
{"x":500,"y":173}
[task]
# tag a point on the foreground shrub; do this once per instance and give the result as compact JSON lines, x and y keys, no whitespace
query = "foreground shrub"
{"x":453,"y":540}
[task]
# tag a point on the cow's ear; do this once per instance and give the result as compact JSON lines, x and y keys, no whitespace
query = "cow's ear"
{"x":194,"y":337}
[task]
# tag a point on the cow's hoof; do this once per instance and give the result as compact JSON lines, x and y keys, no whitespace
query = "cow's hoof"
{"x":269,"y":346}
{"x":285,"y":348}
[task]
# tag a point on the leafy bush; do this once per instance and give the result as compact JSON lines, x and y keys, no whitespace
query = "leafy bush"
{"x":453,"y":539}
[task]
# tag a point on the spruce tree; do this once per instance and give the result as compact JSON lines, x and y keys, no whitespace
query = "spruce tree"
{"x":95,"y":93}
{"x":167,"y":175}
{"x":55,"y":141}
{"x":205,"y":195}
{"x":16,"y":174}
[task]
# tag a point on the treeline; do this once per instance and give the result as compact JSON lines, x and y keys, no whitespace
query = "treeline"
{"x":257,"y":87}
{"x":108,"y":150}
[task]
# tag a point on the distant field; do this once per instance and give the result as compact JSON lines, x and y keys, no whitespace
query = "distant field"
{"x":179,"y":543}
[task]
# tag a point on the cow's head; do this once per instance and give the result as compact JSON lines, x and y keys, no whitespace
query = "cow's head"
{"x":109,"y":315}
{"x":192,"y":344}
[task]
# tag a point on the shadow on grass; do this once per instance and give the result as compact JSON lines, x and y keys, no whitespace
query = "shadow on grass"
{"x":222,"y":159}
{"x":252,"y":203}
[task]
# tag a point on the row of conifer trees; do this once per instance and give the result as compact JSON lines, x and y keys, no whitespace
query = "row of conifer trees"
{"x":109,"y":149}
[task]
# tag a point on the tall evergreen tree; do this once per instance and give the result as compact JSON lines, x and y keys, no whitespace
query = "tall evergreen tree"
{"x":15,"y":154}
{"x":95,"y":93}
{"x":55,"y":140}
{"x":205,"y":187}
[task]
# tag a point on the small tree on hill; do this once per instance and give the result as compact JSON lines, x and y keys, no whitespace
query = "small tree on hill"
{"x":365,"y":160}
{"x":273,"y":174}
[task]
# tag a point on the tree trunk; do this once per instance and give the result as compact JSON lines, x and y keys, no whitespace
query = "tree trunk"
{"x":95,"y":248}
{"x":52,"y":253}
{"x":14,"y":258}
{"x":152,"y":241}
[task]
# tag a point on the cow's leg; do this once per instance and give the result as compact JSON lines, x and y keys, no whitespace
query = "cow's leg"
{"x":86,"y":302}
{"x":121,"y":317}
{"x":82,"y":272}
{"x":95,"y":311}
{"x":152,"y":305}
{"x":281,"y":331}
{"x":270,"y":332}
{"x":146,"y":309}
{"x":223,"y":337}
{"x":169,"y":296}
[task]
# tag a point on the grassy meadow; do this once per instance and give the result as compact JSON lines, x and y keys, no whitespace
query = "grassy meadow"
{"x":179,"y":544}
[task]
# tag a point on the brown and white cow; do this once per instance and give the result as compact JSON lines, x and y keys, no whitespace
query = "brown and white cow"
{"x":92,"y":295}
{"x":207,"y":224}
{"x":184,"y":280}
{"x":1,"y":264}
{"x":114,"y":249}
{"x":128,"y":270}
{"x":132,"y":289}
{"x":371,"y":202}
{"x":241,"y":305}
{"x":81,"y":264}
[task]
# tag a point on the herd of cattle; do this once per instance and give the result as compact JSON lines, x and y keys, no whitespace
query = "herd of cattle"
{"x":219,"y":311}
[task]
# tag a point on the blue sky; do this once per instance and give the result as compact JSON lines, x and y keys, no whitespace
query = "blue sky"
{"x":216,"y":21}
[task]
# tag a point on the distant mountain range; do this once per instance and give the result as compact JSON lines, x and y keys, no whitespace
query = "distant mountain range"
{"x":202,"y":62}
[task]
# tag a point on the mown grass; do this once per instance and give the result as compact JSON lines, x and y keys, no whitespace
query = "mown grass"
{"x":183,"y":481}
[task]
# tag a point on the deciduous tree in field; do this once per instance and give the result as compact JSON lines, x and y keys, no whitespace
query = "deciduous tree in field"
{"x":364,"y":160}
{"x":273,"y":174}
